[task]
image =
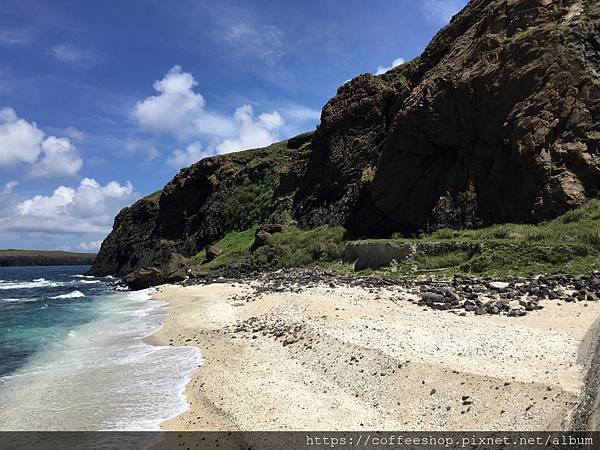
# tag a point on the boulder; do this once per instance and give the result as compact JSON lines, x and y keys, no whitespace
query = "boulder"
{"x":144,"y":278}
{"x":212,"y":252}
{"x":271,"y":228}
{"x":260,"y":238}
{"x":176,"y":268}
{"x":376,"y":254}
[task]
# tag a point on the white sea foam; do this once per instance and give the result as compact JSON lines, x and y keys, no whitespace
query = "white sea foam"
{"x":18,"y":300}
{"x":74,"y":294}
{"x":89,"y":281}
{"x":82,"y":276}
{"x":36,"y":283}
{"x":103,"y":375}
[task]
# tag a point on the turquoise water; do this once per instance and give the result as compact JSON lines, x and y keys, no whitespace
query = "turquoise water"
{"x":73,"y":354}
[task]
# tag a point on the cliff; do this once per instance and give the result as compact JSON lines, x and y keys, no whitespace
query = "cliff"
{"x":497,"y":121}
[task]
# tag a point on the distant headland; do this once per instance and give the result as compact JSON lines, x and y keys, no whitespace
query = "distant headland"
{"x":11,"y":257}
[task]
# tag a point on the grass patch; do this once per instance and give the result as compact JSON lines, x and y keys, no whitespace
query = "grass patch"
{"x":290,"y":248}
{"x":569,"y":243}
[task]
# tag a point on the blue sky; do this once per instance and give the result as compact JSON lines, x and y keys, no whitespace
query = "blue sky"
{"x":103,"y":102}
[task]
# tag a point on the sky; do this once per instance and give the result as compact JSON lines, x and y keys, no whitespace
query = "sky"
{"x":104,"y":102}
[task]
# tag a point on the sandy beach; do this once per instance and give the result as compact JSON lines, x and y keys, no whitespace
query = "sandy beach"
{"x":331,"y":357}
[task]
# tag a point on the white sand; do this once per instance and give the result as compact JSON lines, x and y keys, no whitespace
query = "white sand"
{"x":370,"y":359}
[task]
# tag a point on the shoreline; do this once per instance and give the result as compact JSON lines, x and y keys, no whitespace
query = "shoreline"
{"x":332,"y":357}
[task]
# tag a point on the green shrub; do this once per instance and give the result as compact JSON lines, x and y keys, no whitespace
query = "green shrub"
{"x":443,"y":233}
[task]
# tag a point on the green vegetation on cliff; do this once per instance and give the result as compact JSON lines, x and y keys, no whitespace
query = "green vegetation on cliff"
{"x":290,"y":248}
{"x":251,"y":200}
{"x":570,"y":243}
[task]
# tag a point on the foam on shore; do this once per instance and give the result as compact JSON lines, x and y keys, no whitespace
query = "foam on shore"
{"x":103,"y":375}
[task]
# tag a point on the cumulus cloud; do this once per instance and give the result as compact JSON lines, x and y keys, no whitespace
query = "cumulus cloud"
{"x":440,"y":12}
{"x":183,"y":158}
{"x":24,"y":142}
{"x":178,"y":109}
{"x":60,"y":159}
{"x":88,"y":208}
{"x":252,"y":132}
{"x":383,"y":69}
{"x":20,"y":140}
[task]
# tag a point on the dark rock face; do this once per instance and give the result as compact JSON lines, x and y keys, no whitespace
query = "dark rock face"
{"x":186,"y":216}
{"x":497,"y":121}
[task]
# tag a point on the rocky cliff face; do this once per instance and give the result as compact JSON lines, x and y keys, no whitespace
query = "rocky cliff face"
{"x":497,"y":121}
{"x":202,"y":202}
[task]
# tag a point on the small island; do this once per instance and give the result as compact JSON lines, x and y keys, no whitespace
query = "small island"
{"x":12,"y":257}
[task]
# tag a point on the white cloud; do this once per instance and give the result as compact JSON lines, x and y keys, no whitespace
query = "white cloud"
{"x":60,"y":159}
{"x":143,"y":147}
{"x":177,"y":109}
{"x":383,"y":69}
{"x":8,"y":187}
{"x":19,"y":140}
{"x":91,"y":246}
{"x":88,"y":208}
{"x":440,"y":12}
{"x":183,"y":158}
{"x":15,"y":36}
{"x":302,"y":113}
{"x":24,"y":142}
{"x":264,"y":41}
{"x":76,"y":56}
{"x":76,"y":134}
{"x":252,"y":132}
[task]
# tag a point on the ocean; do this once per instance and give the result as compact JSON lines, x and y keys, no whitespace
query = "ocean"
{"x":73,"y":354}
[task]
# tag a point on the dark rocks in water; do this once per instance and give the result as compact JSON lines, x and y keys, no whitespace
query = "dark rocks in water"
{"x":144,"y":278}
{"x":212,"y":252}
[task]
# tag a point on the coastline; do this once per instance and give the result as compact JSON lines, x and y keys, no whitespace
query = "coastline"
{"x":341,"y":357}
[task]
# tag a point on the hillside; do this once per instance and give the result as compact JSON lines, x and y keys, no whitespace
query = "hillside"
{"x":12,"y":257}
{"x":498,"y":121}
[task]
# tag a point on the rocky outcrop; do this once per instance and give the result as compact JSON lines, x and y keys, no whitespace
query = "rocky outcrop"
{"x":376,"y":254}
{"x":197,"y":207}
{"x":497,"y":121}
{"x":144,"y":278}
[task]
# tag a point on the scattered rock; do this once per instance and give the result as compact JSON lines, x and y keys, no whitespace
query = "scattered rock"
{"x":212,"y":252}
